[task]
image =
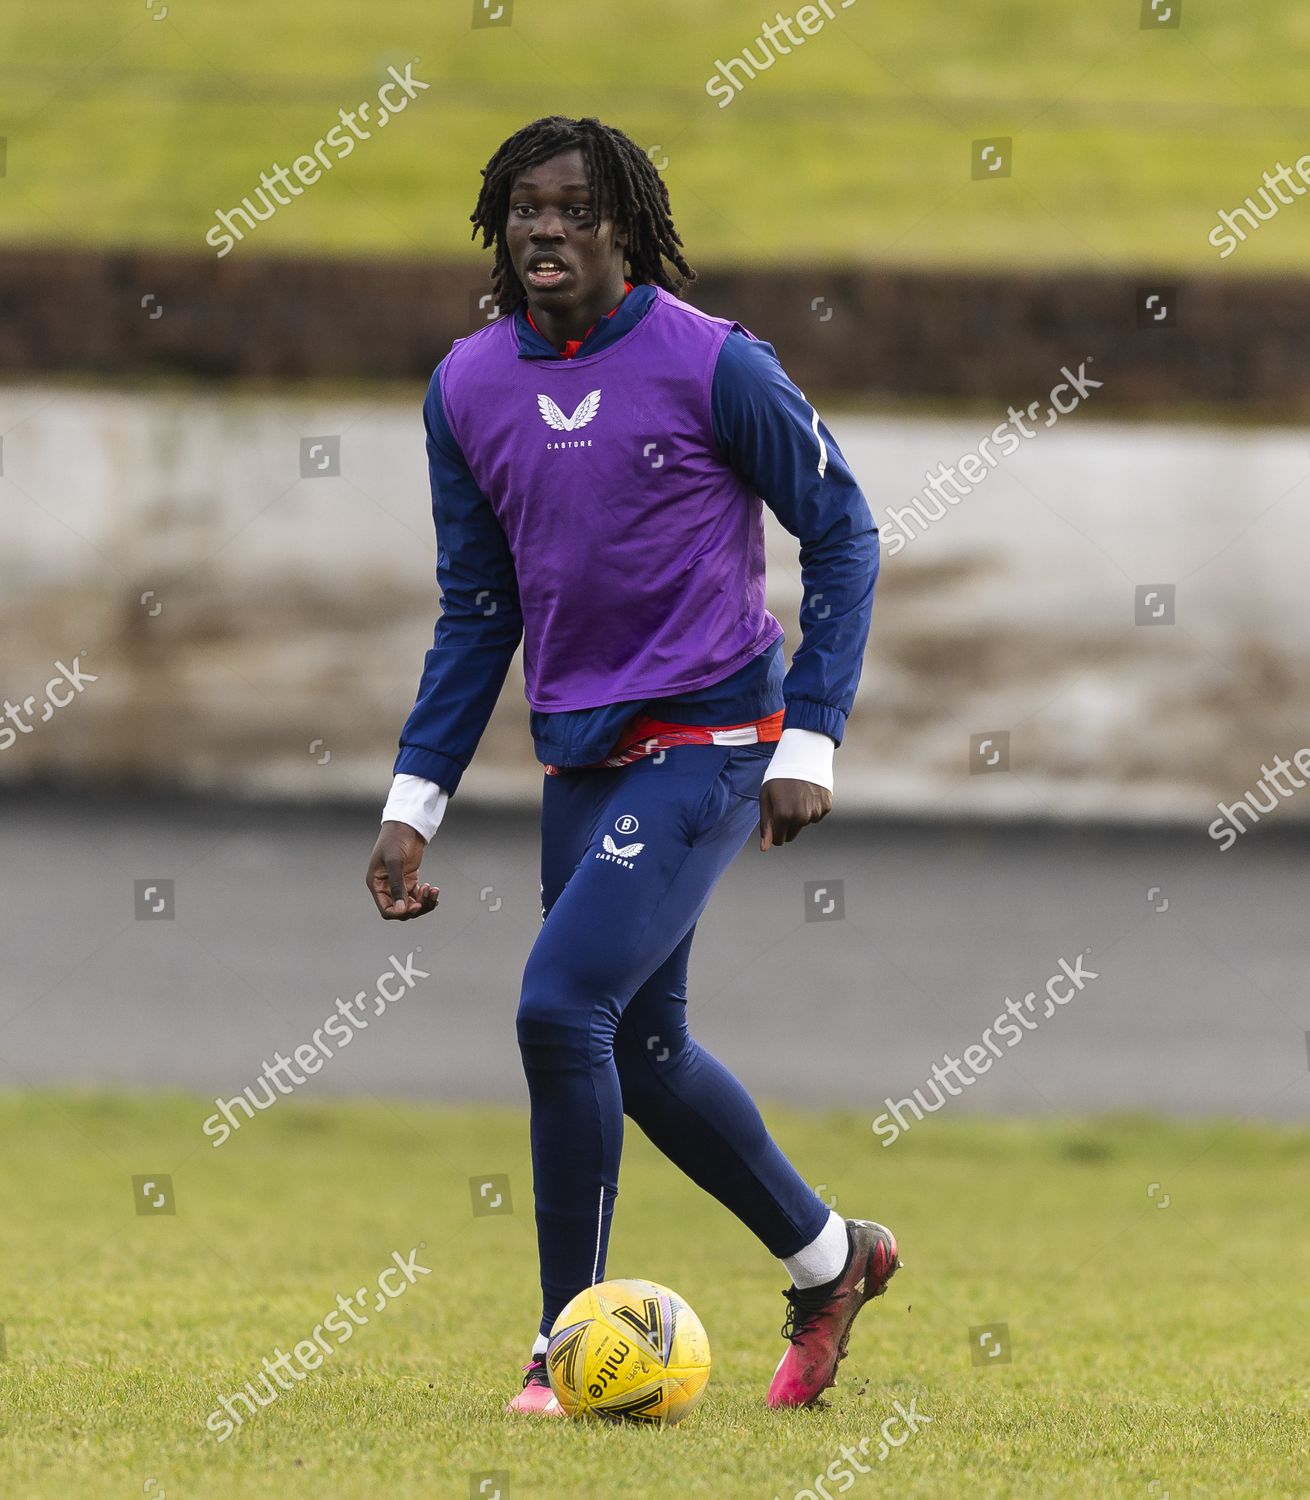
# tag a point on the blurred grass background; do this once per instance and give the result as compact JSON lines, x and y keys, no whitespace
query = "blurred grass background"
{"x":126,"y":130}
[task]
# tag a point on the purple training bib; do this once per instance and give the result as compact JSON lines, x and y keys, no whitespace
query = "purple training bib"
{"x":639,"y":553}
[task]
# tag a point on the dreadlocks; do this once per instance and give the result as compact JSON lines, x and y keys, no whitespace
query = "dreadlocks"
{"x":625,"y":187}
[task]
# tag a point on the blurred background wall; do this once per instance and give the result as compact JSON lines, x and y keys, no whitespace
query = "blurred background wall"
{"x":255,"y":631}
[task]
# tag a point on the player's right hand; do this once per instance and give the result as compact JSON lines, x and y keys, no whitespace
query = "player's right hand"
{"x":393,"y":874}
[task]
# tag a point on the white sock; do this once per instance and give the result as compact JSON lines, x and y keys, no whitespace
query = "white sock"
{"x":823,"y":1258}
{"x":540,"y":1342}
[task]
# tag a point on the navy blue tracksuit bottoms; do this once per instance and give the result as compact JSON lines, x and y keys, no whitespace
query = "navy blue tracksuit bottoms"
{"x":629,"y":856}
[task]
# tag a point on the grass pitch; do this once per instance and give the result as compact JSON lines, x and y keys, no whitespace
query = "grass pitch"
{"x":1154,"y":1280}
{"x":133,"y":124}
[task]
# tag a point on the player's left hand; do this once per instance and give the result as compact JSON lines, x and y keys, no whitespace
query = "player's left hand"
{"x":787,"y":806}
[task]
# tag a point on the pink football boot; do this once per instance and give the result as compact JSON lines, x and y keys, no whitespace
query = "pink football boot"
{"x":536,"y":1395}
{"x":819,"y":1319}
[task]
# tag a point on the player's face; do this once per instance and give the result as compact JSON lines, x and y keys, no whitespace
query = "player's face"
{"x":564,"y":266}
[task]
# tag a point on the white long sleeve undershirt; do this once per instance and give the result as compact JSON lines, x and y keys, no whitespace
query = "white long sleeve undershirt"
{"x":802,"y":755}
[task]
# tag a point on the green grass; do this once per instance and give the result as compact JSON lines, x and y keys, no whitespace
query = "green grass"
{"x":1155,"y":1351}
{"x":855,"y":148}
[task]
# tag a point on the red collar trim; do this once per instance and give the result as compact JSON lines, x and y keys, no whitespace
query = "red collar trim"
{"x":573,"y":345}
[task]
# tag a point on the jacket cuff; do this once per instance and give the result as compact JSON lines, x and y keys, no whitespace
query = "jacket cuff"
{"x":414,"y":760}
{"x":807,"y":713}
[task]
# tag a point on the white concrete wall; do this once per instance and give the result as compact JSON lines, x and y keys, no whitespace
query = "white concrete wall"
{"x":290,"y":612}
